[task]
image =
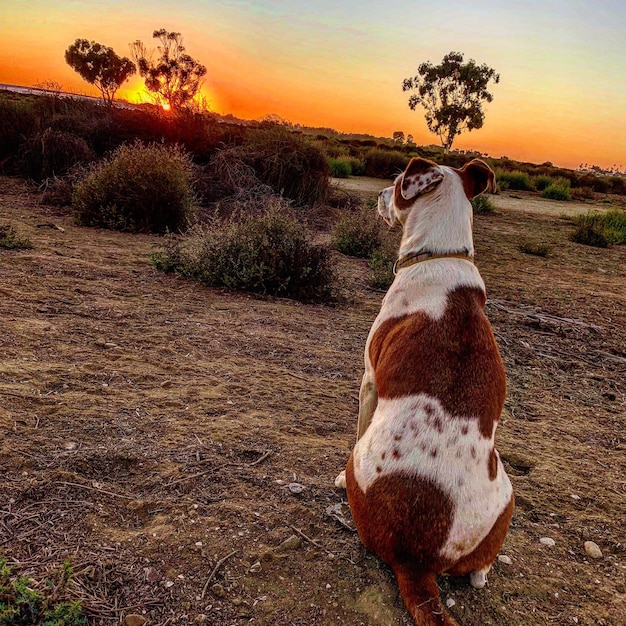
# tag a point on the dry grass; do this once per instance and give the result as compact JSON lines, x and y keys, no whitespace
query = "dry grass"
{"x":151,"y":428}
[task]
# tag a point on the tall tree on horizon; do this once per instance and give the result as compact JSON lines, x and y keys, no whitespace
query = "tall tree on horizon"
{"x":100,"y":66}
{"x":174,"y":77}
{"x":452,"y":94}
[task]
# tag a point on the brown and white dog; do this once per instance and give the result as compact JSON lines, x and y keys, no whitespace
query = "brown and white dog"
{"x":426,"y":486}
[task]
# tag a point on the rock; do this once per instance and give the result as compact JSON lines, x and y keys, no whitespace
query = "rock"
{"x":450,"y":603}
{"x":293,"y":543}
{"x":593,"y":550}
{"x":134,"y":620}
{"x":503,"y":558}
{"x":295,"y":487}
{"x":547,"y":541}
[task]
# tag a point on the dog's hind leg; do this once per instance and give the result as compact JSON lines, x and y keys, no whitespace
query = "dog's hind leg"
{"x":368,"y":401}
{"x":478,"y":563}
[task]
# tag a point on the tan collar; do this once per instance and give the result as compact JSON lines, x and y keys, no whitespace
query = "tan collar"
{"x":418,"y":257}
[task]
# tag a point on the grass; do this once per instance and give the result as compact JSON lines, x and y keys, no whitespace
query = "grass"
{"x":535,"y":249}
{"x":559,"y":189}
{"x":482,"y":205}
{"x":601,"y":229}
{"x":10,"y":239}
{"x":23,"y":602}
{"x":517,"y":180}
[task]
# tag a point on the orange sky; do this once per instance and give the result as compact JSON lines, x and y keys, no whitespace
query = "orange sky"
{"x":562,"y":95}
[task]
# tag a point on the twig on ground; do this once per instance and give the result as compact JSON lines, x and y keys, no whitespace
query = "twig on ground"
{"x":212,"y":574}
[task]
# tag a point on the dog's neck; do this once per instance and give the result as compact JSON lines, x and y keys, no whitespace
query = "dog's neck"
{"x":441,"y":221}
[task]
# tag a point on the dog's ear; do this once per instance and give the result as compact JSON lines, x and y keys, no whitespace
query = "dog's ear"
{"x":477,"y":178}
{"x":419,"y":177}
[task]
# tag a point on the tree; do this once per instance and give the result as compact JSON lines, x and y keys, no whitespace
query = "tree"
{"x":398,"y":136}
{"x":174,"y":77}
{"x":452,"y":94}
{"x":100,"y":66}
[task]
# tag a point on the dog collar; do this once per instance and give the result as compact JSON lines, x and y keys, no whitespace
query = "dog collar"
{"x":418,"y":257}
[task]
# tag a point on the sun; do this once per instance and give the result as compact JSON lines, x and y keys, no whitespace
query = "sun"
{"x":166,"y":106}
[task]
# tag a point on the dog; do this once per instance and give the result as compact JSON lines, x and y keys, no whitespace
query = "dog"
{"x":426,"y":487}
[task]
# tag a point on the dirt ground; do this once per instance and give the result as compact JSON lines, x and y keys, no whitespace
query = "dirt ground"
{"x":179,"y":444}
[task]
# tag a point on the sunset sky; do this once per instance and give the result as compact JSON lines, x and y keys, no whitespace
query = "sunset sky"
{"x":562,"y":63}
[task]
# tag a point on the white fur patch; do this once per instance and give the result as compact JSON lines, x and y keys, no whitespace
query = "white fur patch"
{"x":415,"y":435}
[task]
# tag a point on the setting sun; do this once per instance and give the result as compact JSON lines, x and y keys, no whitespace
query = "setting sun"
{"x":165,"y":106}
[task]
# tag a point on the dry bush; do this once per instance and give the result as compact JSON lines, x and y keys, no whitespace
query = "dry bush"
{"x":269,"y":254}
{"x":139,"y":188}
{"x":358,"y":233}
{"x":289,"y":164}
{"x":52,"y":153}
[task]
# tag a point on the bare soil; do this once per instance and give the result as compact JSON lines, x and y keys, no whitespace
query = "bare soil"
{"x":179,"y":444}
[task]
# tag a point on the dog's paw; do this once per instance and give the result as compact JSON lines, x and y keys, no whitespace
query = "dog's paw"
{"x":340,"y":481}
{"x":478,"y":578}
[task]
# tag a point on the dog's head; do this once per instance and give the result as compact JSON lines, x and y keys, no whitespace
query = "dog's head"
{"x":422,"y":178}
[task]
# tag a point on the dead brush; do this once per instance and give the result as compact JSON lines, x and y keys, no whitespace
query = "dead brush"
{"x":10,"y":239}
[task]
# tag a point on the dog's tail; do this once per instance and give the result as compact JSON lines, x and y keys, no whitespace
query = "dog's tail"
{"x":421,"y":597}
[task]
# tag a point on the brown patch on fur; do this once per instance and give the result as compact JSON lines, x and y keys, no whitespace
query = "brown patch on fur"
{"x":492,"y":465}
{"x":454,"y":359}
{"x":405,"y":519}
{"x":401,"y":517}
{"x":477,"y":177}
{"x":485,"y":553}
{"x":417,"y":167}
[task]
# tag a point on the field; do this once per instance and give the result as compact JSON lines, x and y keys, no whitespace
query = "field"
{"x":179,"y":444}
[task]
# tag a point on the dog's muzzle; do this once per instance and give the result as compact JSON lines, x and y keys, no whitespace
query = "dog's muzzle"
{"x":385,"y":210}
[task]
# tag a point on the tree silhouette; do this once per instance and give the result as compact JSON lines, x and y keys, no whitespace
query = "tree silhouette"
{"x":100,"y":66}
{"x":452,"y":94}
{"x":175,"y":77}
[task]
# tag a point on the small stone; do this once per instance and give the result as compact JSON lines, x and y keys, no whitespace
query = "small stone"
{"x":218,"y":590}
{"x":295,"y":487}
{"x":134,"y":620}
{"x":293,"y":543}
{"x":503,"y":558}
{"x":573,"y":496}
{"x":547,"y":541}
{"x":450,"y":603}
{"x":593,"y":550}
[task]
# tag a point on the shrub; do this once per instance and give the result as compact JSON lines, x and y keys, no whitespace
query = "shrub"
{"x":517,"y":180}
{"x":18,"y":120}
{"x":535,"y":249}
{"x":23,"y":604}
{"x":482,"y":204}
{"x":358,"y":233}
{"x":541,"y":182}
{"x":381,"y":265}
{"x":589,"y":236}
{"x":53,"y":153}
{"x":289,"y":164}
{"x":610,"y":225}
{"x":270,"y":254}
{"x":582,"y":193}
{"x":11,"y":240}
{"x":558,"y":190}
{"x":139,"y":188}
{"x":385,"y":163}
{"x":339,"y":167}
